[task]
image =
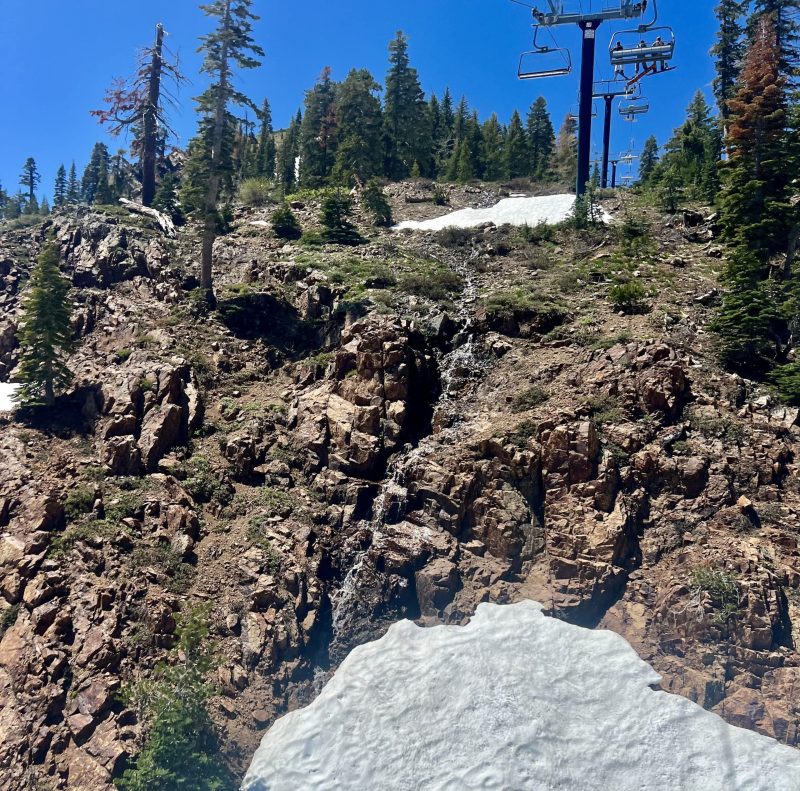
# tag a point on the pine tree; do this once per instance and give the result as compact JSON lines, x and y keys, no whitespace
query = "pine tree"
{"x":231,"y":44}
{"x":360,"y":128}
{"x":565,"y":155}
{"x":94,"y":184}
{"x":318,"y":132}
{"x":3,"y":201}
{"x":73,"y":186}
{"x":648,"y":159}
{"x":288,"y":152}
{"x":30,"y":178}
{"x":541,"y":139}
{"x":517,"y":153}
{"x":754,"y":201}
{"x":693,"y":151}
{"x":728,"y":51}
{"x":783,"y":15}
{"x":407,"y":135}
{"x":493,"y":149}
{"x":44,"y":334}
{"x":265,"y":160}
{"x":60,"y":187}
{"x":140,"y":105}
{"x":44,"y":207}
{"x":448,"y":116}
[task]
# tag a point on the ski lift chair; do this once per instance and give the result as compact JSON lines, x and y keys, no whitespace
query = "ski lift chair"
{"x":543,"y":61}
{"x":634,"y":108}
{"x":624,"y":49}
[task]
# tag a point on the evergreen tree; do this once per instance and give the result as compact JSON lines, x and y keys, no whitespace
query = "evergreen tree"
{"x":728,"y":51}
{"x":565,"y":155}
{"x":30,"y":179}
{"x":407,"y":135}
{"x":31,"y":206}
{"x":337,"y":211}
{"x":44,"y":207}
{"x":783,"y":15}
{"x":140,"y":105}
{"x":438,"y":134}
{"x":360,"y":127}
{"x":166,"y":199}
{"x":44,"y":333}
{"x":541,"y":139}
{"x":648,"y":159}
{"x":693,"y":152}
{"x":265,"y":161}
{"x":73,"y":186}
{"x":755,"y":201}
{"x":229,"y":45}
{"x":318,"y":132}
{"x":288,"y":152}
{"x":493,"y":149}
{"x":374,"y":201}
{"x":3,"y":201}
{"x":517,"y":153}
{"x":60,"y":187}
{"x":94,"y":184}
{"x":448,"y":116}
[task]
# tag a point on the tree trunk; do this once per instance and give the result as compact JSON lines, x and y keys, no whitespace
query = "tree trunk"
{"x":150,"y":120}
{"x":212,"y":193}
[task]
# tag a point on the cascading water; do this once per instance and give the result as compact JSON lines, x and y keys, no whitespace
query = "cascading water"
{"x":462,"y":363}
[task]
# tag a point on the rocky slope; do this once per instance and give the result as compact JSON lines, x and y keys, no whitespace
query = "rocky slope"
{"x":403,"y":429}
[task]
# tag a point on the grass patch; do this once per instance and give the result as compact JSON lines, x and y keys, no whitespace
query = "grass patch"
{"x":164,"y":559}
{"x":721,"y":588}
{"x":604,"y":409}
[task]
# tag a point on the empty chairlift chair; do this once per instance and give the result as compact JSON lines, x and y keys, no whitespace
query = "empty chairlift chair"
{"x":544,"y":61}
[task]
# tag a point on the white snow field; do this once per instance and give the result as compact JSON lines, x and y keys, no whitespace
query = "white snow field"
{"x":514,"y":701}
{"x":7,"y":391}
{"x":549,"y":209}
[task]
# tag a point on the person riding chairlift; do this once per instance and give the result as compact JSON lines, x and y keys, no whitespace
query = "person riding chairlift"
{"x":642,"y":65}
{"x":619,"y":69}
{"x":659,"y":42}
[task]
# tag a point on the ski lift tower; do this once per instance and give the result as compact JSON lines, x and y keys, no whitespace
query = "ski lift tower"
{"x":608,"y":90}
{"x":555,"y":15}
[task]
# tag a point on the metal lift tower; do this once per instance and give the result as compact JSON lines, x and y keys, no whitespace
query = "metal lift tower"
{"x":556,"y":15}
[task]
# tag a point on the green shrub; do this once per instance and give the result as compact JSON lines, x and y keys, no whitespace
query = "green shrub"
{"x":524,"y":304}
{"x":721,"y":588}
{"x":255,"y":192}
{"x":455,"y":237}
{"x":180,"y":749}
{"x":285,"y":224}
{"x":786,"y":379}
{"x":164,"y":558}
{"x":523,"y":432}
{"x":203,"y":482}
{"x":8,"y":618}
{"x":374,"y":201}
{"x":440,"y":196}
{"x":432,"y":281}
{"x":536,"y":234}
{"x":604,"y":409}
{"x":628,"y":297}
{"x":530,"y":398}
{"x":79,"y":501}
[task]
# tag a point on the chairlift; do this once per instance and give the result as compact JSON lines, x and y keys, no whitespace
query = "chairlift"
{"x":544,"y":61}
{"x":603,"y":88}
{"x":634,"y":108}
{"x":629,"y":47}
{"x":574,"y":111}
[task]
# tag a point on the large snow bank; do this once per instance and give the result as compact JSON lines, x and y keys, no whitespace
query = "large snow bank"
{"x":515,"y":701}
{"x":7,"y":391}
{"x":549,"y":209}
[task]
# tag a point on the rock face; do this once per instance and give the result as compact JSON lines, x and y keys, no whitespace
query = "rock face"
{"x":322,"y":456}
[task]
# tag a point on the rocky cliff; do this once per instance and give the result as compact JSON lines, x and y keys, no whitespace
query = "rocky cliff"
{"x":355,"y":435}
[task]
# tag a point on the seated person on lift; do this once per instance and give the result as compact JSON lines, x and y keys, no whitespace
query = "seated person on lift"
{"x":619,"y":68}
{"x":642,"y":65}
{"x":659,"y":42}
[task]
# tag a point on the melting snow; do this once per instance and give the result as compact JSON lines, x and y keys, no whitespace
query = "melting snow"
{"x":7,"y":391}
{"x":514,"y":701}
{"x":549,"y":209}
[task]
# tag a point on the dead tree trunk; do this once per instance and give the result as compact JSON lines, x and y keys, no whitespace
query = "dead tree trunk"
{"x":150,"y":120}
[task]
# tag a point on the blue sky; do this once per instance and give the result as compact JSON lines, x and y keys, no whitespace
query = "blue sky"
{"x":60,"y":55}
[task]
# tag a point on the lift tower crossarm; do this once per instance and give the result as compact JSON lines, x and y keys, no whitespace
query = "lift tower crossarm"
{"x":554,"y":15}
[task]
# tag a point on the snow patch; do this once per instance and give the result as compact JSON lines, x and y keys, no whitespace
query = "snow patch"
{"x":550,"y":209}
{"x":514,"y":701}
{"x":7,"y":391}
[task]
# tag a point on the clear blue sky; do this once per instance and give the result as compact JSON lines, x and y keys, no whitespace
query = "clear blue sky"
{"x":60,"y":55}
